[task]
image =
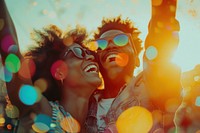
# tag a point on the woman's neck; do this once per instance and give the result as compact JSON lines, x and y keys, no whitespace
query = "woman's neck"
{"x":76,"y":104}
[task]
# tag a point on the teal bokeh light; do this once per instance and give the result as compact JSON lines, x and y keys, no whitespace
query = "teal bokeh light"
{"x":197,"y":102}
{"x":151,"y":53}
{"x":28,"y":94}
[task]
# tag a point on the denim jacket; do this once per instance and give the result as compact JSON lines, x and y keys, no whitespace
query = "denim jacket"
{"x":133,"y":94}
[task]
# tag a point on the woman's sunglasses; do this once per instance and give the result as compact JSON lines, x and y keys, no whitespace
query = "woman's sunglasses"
{"x":79,"y":52}
{"x":118,"y":40}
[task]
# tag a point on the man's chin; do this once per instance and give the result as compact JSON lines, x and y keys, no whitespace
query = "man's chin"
{"x":114,"y":74}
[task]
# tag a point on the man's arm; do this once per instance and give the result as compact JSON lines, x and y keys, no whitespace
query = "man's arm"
{"x":161,"y":75}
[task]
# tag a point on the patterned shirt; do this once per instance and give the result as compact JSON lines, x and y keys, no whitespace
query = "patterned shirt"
{"x":62,"y":121}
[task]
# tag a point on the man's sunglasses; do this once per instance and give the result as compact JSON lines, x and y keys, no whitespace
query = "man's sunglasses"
{"x":79,"y":52}
{"x":119,"y":40}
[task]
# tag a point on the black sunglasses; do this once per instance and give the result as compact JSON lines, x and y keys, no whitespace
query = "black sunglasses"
{"x":79,"y":52}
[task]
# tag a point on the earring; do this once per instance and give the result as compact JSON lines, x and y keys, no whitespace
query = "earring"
{"x":61,"y":77}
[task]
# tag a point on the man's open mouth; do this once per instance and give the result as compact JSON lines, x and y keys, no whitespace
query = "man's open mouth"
{"x":112,"y":57}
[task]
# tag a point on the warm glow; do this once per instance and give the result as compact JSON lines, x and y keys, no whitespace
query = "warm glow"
{"x":101,"y":87}
{"x":188,"y":53}
{"x":92,"y":45}
{"x":188,"y":14}
{"x":70,"y":124}
{"x":2,"y":120}
{"x":156,"y":2}
{"x":122,"y":59}
{"x":135,"y":120}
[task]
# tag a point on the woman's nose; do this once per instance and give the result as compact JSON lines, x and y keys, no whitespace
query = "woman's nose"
{"x":89,"y":57}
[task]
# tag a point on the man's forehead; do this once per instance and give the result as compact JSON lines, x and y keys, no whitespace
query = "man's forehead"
{"x":111,"y":33}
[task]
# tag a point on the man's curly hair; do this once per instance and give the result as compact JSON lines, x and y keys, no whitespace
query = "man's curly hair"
{"x":50,"y":46}
{"x":118,"y":23}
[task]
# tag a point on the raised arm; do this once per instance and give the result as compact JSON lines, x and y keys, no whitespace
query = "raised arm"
{"x":162,"y":76}
{"x":7,"y":31}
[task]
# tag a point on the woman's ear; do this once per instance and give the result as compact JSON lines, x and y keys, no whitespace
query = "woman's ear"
{"x":59,"y":75}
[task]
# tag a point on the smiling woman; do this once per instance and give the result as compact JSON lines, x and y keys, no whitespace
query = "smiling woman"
{"x":67,"y":69}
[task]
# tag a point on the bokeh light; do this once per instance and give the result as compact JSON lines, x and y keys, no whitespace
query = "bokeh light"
{"x":156,"y":2}
{"x":93,"y":45}
{"x":28,"y":94}
{"x":59,"y":70}
{"x":9,"y":127}
{"x":198,"y":131}
{"x":12,"y":111}
{"x":27,"y":69}
{"x":41,"y":84}
{"x":41,"y":123}
{"x":151,"y":52}
{"x":34,"y":3}
{"x":197,"y":102}
{"x":52,"y":125}
{"x":134,"y":120}
{"x":197,"y":78}
{"x":2,"y":120}
{"x":39,"y":94}
{"x":5,"y":75}
{"x":13,"y":49}
{"x":12,"y":63}
{"x":122,"y":59}
{"x":69,"y":124}
{"x":6,"y":42}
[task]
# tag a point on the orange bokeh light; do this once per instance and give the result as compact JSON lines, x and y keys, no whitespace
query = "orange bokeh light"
{"x":135,"y":120}
{"x":122,"y":59}
{"x":70,"y":124}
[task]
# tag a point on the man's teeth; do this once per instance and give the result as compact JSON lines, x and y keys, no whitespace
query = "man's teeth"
{"x":91,"y":68}
{"x":112,"y":57}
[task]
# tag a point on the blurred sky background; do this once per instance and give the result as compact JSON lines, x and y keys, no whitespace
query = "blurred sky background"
{"x":35,"y":14}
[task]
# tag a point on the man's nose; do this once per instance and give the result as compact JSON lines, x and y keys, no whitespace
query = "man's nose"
{"x":111,"y":45}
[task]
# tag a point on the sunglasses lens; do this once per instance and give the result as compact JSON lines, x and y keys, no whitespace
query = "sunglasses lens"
{"x":102,"y":44}
{"x":79,"y":52}
{"x":121,"y":40}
